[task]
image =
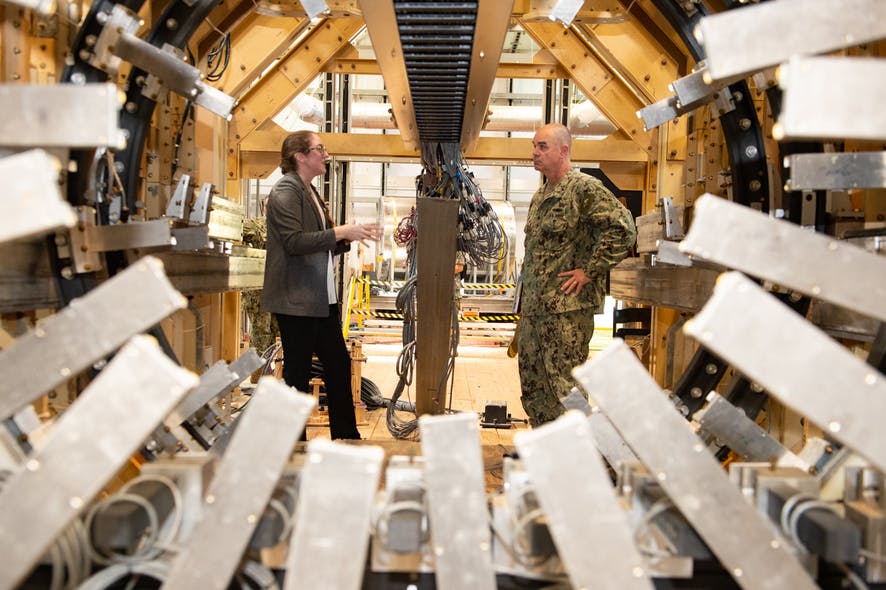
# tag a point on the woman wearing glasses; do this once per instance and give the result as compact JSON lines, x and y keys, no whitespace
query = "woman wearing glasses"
{"x":299,"y":288}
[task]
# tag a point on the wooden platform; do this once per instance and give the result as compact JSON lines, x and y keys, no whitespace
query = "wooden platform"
{"x":481,"y":374}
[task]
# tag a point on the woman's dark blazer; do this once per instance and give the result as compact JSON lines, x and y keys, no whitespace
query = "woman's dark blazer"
{"x":297,"y":252}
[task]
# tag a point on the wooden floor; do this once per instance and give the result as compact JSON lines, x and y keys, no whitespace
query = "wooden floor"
{"x":483,"y":373}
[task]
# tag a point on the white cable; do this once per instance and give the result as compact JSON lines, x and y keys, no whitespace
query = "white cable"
{"x":797,"y":513}
{"x":521,"y":541}
{"x":152,"y":529}
{"x":260,"y":575}
{"x":786,"y":510}
{"x":107,"y":577}
{"x":658,"y":507}
{"x":285,"y":516}
{"x":177,"y":510}
{"x":82,"y":537}
{"x":58,"y":569}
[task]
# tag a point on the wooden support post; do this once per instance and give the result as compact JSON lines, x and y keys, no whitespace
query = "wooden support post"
{"x":436,"y":219}
{"x":357,"y":360}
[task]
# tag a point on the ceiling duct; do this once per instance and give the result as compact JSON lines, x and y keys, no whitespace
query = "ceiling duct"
{"x":437,"y":39}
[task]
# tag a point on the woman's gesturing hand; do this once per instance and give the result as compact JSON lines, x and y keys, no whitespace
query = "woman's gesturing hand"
{"x":358,"y":232}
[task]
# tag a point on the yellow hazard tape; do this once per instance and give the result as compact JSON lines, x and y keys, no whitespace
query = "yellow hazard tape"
{"x":479,"y":286}
{"x":391,"y":315}
{"x":474,"y":286}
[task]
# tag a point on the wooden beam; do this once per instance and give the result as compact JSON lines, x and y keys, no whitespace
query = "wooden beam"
{"x":386,"y":147}
{"x":223,"y":17}
{"x":260,"y":152}
{"x":381,"y":23}
{"x":15,"y":45}
{"x":255,"y":43}
{"x":635,"y":55}
{"x":602,"y":87}
{"x":437,"y":220}
{"x":628,"y":176}
{"x":291,"y":75}
{"x":489,"y":34}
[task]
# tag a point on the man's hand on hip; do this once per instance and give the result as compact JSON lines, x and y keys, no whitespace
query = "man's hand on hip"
{"x":576,"y":280}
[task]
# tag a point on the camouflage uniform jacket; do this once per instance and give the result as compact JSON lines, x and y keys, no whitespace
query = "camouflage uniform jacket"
{"x":579,"y":224}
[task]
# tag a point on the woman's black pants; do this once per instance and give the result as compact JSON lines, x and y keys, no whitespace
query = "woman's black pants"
{"x":302,"y":337}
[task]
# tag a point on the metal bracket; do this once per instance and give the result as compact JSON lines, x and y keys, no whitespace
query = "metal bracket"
{"x":671,"y":217}
{"x":454,"y":475}
{"x":333,"y":516}
{"x":177,"y":206}
{"x":247,"y":474}
{"x":202,"y":205}
{"x":118,"y":42}
{"x":736,"y":533}
{"x":596,"y":545}
{"x":99,"y":432}
{"x":89,"y":329}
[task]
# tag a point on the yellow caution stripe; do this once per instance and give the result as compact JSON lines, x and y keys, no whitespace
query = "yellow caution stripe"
{"x":392,"y":315}
{"x":471,"y":286}
{"x":487,"y":286}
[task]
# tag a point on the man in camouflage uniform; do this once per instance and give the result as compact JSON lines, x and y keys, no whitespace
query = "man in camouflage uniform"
{"x":575,"y":231}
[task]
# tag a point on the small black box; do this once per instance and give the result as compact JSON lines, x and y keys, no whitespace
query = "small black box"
{"x":496,"y":415}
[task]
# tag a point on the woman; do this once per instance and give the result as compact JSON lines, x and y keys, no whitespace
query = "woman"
{"x":299,"y":288}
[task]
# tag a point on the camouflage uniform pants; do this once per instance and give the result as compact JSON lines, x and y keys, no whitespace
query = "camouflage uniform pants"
{"x":550,"y":347}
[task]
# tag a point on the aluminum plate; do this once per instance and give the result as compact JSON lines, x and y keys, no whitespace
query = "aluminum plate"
{"x":456,"y":486}
{"x":608,"y":441}
{"x":737,"y":534}
{"x":32,"y":204}
{"x":837,"y":171}
{"x":331,"y":537}
{"x":595,"y":545}
{"x":796,"y":362}
{"x":731,"y":426}
{"x":832,"y":98}
{"x":60,"y":115}
{"x":766,"y":34}
{"x":84,"y":449}
{"x":89,"y":329}
{"x":247,"y":474}
{"x":821,"y":267}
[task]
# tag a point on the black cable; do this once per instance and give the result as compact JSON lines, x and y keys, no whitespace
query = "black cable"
{"x":218,"y":58}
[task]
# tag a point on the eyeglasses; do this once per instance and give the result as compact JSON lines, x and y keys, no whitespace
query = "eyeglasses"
{"x":319,"y":148}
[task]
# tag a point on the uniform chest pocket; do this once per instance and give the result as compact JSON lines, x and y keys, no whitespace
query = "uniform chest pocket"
{"x":556,"y":219}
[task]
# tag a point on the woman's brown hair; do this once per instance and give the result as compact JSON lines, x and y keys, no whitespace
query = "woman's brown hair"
{"x":300,"y":141}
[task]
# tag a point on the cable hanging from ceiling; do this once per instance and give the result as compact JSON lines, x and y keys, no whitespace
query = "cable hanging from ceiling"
{"x":480,"y":240}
